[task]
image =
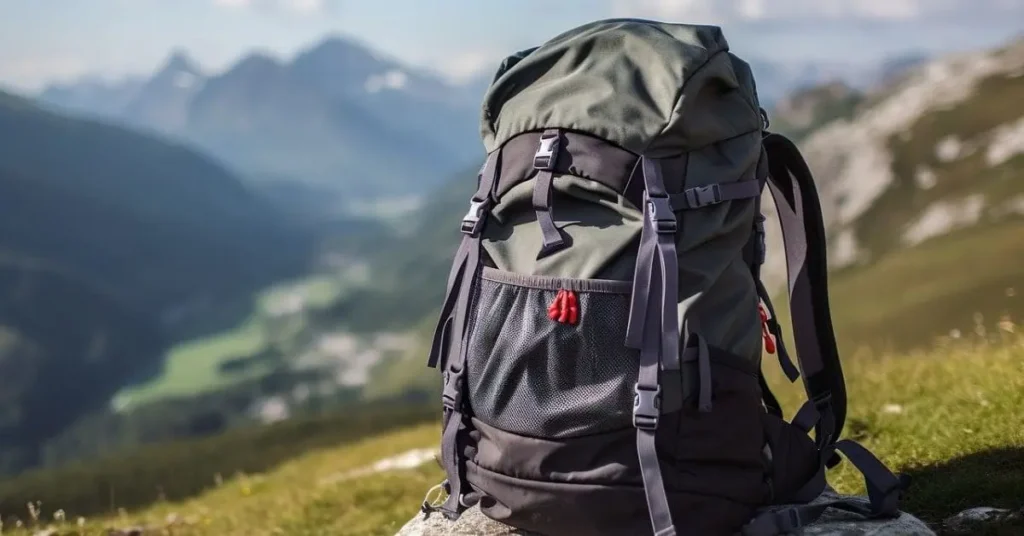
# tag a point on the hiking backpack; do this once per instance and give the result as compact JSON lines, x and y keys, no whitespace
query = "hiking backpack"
{"x":600,"y":341}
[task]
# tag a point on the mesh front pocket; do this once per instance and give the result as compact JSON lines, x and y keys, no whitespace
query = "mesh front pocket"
{"x":534,"y":376}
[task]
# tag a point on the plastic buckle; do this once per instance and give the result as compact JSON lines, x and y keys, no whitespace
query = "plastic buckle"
{"x":547,"y":155}
{"x":646,"y":406}
{"x":789,"y":521}
{"x":762,"y":245}
{"x":451,"y":396}
{"x":473,"y":221}
{"x":661,"y":214}
{"x":702,"y":196}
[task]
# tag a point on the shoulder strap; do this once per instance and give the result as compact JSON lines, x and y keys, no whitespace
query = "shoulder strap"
{"x":803,"y":232}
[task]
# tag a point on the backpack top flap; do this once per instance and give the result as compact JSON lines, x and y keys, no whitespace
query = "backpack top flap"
{"x":652,"y":88}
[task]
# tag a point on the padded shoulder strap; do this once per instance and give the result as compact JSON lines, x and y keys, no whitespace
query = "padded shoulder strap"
{"x":803,"y":232}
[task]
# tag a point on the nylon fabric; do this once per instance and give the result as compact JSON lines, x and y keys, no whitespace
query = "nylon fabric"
{"x":602,"y":227}
{"x":620,"y":79}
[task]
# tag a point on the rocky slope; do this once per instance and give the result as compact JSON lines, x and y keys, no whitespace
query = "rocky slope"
{"x":936,"y":151}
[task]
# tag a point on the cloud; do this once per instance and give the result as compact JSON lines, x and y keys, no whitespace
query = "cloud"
{"x":466,"y":65}
{"x":717,"y":11}
{"x":302,"y":7}
{"x":34,"y":72}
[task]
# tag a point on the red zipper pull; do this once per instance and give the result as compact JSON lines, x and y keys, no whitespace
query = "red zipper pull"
{"x":574,"y":307}
{"x":769,"y":341}
{"x":554,"y":309}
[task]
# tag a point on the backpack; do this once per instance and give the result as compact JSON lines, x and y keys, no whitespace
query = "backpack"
{"x":601,"y":337}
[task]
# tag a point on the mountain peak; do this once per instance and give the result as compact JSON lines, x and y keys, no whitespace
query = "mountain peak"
{"x":179,"y":61}
{"x":338,"y":53}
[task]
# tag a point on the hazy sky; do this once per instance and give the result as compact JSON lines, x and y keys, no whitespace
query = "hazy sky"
{"x":45,"y":40}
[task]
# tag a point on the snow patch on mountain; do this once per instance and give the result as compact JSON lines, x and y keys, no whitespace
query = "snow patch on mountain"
{"x":1007,"y":142}
{"x":393,"y":79}
{"x":943,"y":217}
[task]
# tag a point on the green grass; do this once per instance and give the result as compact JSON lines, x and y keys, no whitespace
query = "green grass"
{"x":193,"y":367}
{"x":912,"y":296}
{"x":318,"y":291}
{"x":178,"y":471}
{"x":959,"y":432}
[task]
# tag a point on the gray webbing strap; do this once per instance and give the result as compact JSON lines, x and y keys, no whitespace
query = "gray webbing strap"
{"x":884,"y":493}
{"x":655,"y":320}
{"x":453,"y":393}
{"x":712,"y":194}
{"x":546,"y":161}
{"x":657,"y":243}
{"x":884,"y":488}
{"x":444,"y":323}
{"x":479,"y":205}
{"x":791,"y":520}
{"x":806,"y":417}
{"x":768,"y":397}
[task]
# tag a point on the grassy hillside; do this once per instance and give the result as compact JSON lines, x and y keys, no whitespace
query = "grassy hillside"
{"x":409,"y":273}
{"x":804,"y":111}
{"x":949,"y":418}
{"x":64,"y":349}
{"x":178,"y":470}
{"x":114,"y":245}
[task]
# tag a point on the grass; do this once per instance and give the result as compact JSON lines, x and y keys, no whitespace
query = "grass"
{"x":317,"y":291}
{"x":949,"y":417}
{"x":178,"y":471}
{"x":943,"y":285}
{"x":194,"y":367}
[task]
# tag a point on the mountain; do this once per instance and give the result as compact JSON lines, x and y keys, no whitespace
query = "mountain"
{"x":333,"y":118}
{"x":922,"y":188}
{"x":158,"y":222}
{"x":162,"y":103}
{"x":93,"y":96}
{"x":114,"y":244}
{"x":805,"y":110}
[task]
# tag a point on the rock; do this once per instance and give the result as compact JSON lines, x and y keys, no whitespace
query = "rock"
{"x":972,"y":519}
{"x":832,"y":523}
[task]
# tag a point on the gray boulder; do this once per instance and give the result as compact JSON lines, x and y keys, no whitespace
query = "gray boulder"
{"x":832,"y":523}
{"x":974,"y":520}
